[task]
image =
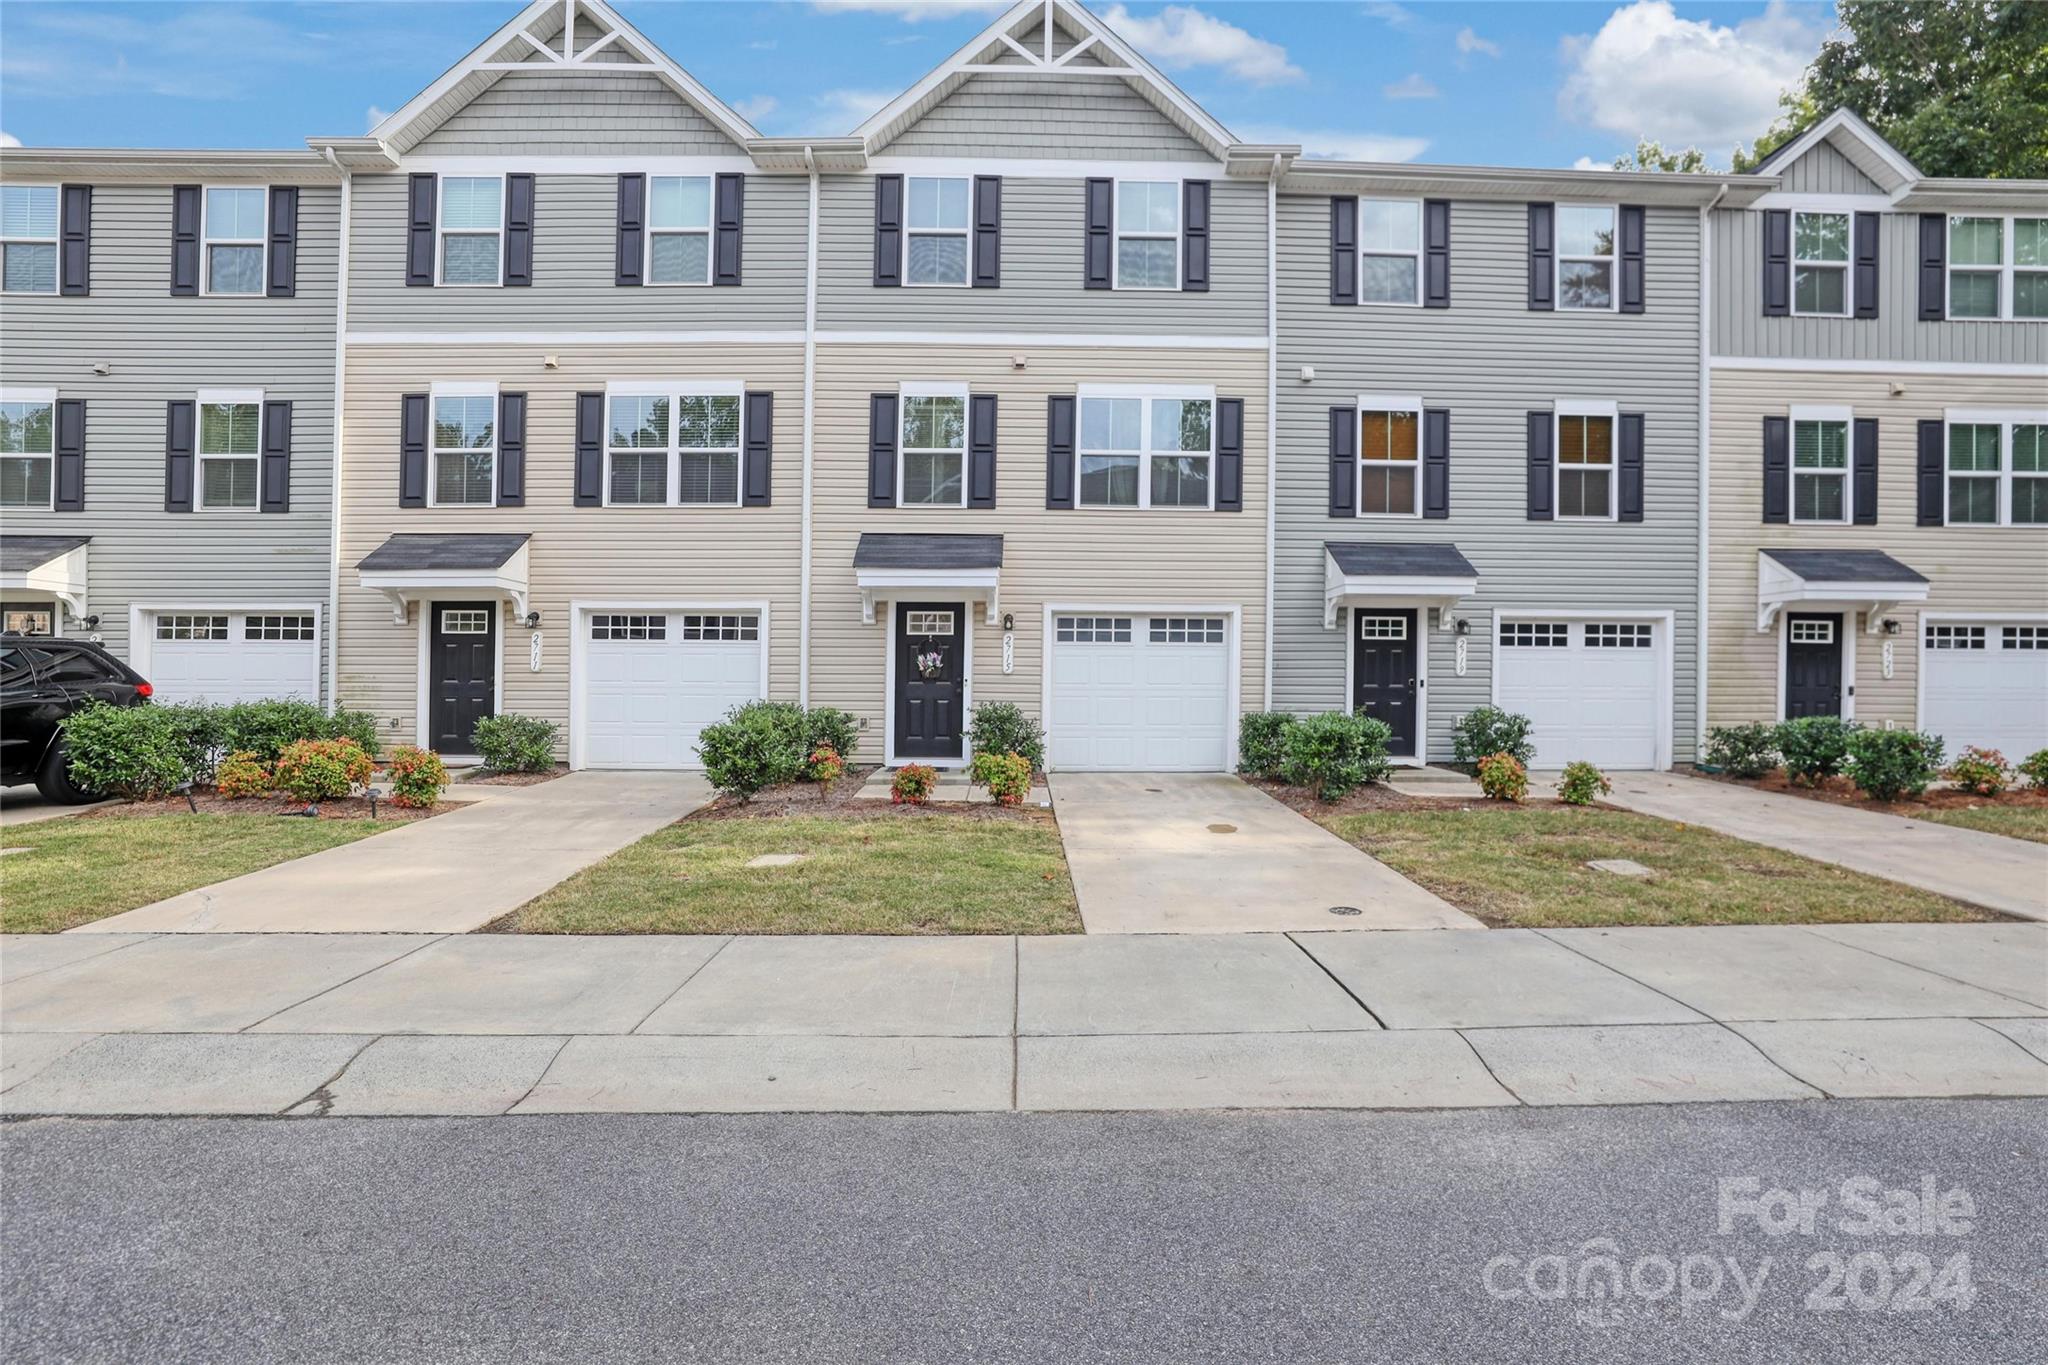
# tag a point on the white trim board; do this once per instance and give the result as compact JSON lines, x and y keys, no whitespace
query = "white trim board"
{"x":1878,"y":367}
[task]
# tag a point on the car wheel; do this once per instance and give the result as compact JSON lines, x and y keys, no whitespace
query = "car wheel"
{"x":55,"y":783}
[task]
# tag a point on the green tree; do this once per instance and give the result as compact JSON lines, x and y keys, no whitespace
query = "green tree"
{"x":1650,"y":155}
{"x":1959,"y":86}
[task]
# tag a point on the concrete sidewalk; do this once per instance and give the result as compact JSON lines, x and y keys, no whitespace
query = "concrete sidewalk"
{"x":492,"y":1024}
{"x":1988,"y":870}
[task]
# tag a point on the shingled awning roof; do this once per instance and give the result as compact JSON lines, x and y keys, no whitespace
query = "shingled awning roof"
{"x":906,"y":566}
{"x":1851,"y":580}
{"x":415,"y":566}
{"x":415,"y":551}
{"x":46,"y":564}
{"x":1392,"y":572}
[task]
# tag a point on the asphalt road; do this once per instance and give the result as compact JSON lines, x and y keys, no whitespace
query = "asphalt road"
{"x":1039,"y":1238}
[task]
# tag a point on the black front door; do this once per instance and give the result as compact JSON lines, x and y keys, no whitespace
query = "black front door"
{"x":931,"y":679}
{"x":1383,"y":673}
{"x":1813,"y":666}
{"x":462,"y":672}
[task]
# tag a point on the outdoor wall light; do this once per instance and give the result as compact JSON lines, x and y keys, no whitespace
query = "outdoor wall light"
{"x":533,"y":620}
{"x":91,"y":623}
{"x":1463,"y":627}
{"x":1891,"y":627}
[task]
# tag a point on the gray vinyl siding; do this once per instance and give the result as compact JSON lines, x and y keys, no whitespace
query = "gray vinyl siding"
{"x":163,"y":348}
{"x":575,"y":244}
{"x":1044,"y":228}
{"x":1490,"y":361}
{"x":1896,"y":333}
{"x":1823,"y":170}
{"x":1078,"y":117}
{"x":544,"y":115}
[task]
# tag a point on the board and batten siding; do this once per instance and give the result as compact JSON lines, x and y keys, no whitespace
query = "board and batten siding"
{"x":1035,"y":116}
{"x":1823,"y":170}
{"x":1082,"y":556}
{"x":162,"y":348}
{"x":642,"y":554}
{"x":1969,"y":568}
{"x":574,"y":115}
{"x":1490,"y":361}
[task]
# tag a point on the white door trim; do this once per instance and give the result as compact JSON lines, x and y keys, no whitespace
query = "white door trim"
{"x":1845,"y":625}
{"x":422,"y":704}
{"x":142,"y":643}
{"x":889,"y":758}
{"x":1666,"y":672}
{"x":1989,"y":618}
{"x":580,"y":610}
{"x":1233,"y":645}
{"x":1420,"y":758}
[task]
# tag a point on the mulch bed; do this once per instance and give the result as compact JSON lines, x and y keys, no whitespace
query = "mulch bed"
{"x":1842,"y":792}
{"x":804,"y":799}
{"x":1374,"y":797}
{"x":348,"y":808}
{"x":487,"y":778}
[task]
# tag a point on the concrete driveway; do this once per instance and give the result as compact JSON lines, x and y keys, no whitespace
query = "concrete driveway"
{"x":1203,"y":853}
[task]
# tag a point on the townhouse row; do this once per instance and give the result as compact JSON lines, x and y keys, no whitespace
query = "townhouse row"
{"x":566,"y":393}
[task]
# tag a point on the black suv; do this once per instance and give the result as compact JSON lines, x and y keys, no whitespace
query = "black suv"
{"x":43,"y":679}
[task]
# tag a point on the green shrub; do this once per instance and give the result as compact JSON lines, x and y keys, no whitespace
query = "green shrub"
{"x":418,"y":776}
{"x":1743,"y":750}
{"x":133,"y":751}
{"x":1486,"y":730}
{"x":756,"y":746}
{"x":359,"y":726}
{"x":913,"y":784}
{"x":242,"y":775}
{"x":1889,"y":764}
{"x":1983,"y":771}
{"x":321,"y":769}
{"x":1813,"y":747}
{"x":1334,"y":753}
{"x":1007,"y":776}
{"x":203,"y":734}
{"x":1580,"y":783}
{"x":1000,"y":728}
{"x":516,"y":744}
{"x":1262,"y":744}
{"x":827,"y":727}
{"x":2034,"y":767}
{"x":1503,"y":777}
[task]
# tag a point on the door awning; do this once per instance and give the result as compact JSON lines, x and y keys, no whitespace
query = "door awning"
{"x":409,"y":567}
{"x":1381,"y":573}
{"x":52,"y":565}
{"x":1853,"y":580}
{"x":891,"y":566}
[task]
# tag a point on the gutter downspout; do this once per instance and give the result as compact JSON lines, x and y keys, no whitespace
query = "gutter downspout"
{"x":803,"y":661}
{"x":1702,"y":634}
{"x":1272,"y":401}
{"x":334,"y":469}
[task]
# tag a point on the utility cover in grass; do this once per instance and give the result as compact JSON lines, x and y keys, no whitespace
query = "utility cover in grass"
{"x":1620,"y":867}
{"x":776,"y":860}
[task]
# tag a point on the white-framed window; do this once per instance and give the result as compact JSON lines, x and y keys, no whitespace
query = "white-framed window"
{"x":2024,"y":637}
{"x":1954,"y":637}
{"x":28,"y":239}
{"x":1997,"y":468}
{"x":1585,"y":256}
{"x":673,"y":445}
{"x":728,"y":628}
{"x":1390,"y":251}
{"x":678,"y":229}
{"x":1585,"y":461}
{"x":191,"y":627}
{"x":1820,"y":264}
{"x":934,"y":623}
{"x":288,"y":628}
{"x":465,"y":446}
{"x":465,"y":621}
{"x":233,"y":233}
{"x":1820,"y":465}
{"x":1146,"y":447}
{"x":1811,"y":632}
{"x":472,"y":227}
{"x":1535,"y":634}
{"x":230,"y":448}
{"x":1618,"y":635}
{"x":1389,"y":456}
{"x":1186,"y":630}
{"x":1148,"y":234}
{"x":938,"y":215}
{"x":1997,"y":267}
{"x":604,"y":626}
{"x":1092,"y":630}
{"x":28,"y":448}
{"x":931,"y":464}
{"x":1382,"y":627}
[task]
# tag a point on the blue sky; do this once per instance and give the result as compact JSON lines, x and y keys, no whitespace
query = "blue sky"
{"x":1516,"y":84}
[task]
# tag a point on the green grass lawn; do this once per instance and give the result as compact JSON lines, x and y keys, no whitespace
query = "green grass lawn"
{"x":940,"y":874}
{"x":82,"y":869}
{"x":2015,"y":822}
{"x":1526,"y":868}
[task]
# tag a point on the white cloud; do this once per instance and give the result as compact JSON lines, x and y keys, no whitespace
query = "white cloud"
{"x":1470,"y":42}
{"x":374,"y":116}
{"x":762,"y":45}
{"x":756,"y":107}
{"x":849,"y":109}
{"x":1685,"y":82}
{"x":1587,"y":163}
{"x":1179,"y":37}
{"x":9,"y":140}
{"x":1413,"y":86}
{"x":1395,"y":16}
{"x":1324,"y":144}
{"x":914,"y":11}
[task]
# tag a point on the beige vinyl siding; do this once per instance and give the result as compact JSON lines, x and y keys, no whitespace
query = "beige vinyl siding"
{"x":1970,"y":568}
{"x":1081,"y":556}
{"x":552,"y":115}
{"x":577,"y":553}
{"x":1069,"y":118}
{"x":1823,"y":170}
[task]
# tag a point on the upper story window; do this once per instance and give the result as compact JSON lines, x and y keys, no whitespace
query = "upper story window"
{"x":1585,"y":461}
{"x":679,"y":229}
{"x":933,"y":467}
{"x":1389,"y":251}
{"x":472,"y":223}
{"x":1820,"y":464}
{"x":673,"y":447}
{"x":28,"y":449}
{"x":935,"y":230}
{"x":1148,"y":234}
{"x":1998,"y":469}
{"x":1820,"y":264}
{"x":465,"y":453}
{"x":1389,"y":456}
{"x":28,"y":239}
{"x":1147,"y":448}
{"x":233,"y":234}
{"x":229,"y":423}
{"x":1997,"y":267}
{"x":1585,"y":256}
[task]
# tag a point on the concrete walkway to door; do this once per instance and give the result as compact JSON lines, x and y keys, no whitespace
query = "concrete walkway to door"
{"x":448,"y":875}
{"x":1203,"y":853}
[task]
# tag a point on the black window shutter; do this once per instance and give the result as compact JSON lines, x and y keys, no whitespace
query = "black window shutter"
{"x":1634,"y":239}
{"x":1866,"y":227}
{"x":420,"y":192}
{"x":70,"y":446}
{"x":1628,"y":503}
{"x":1436,"y":463}
{"x":181,"y":417}
{"x":185,"y":244}
{"x":518,"y":231}
{"x":1230,"y":454}
{"x":1343,"y":249}
{"x":988,"y":232}
{"x":284,"y":241}
{"x":731,"y":220}
{"x":511,"y":450}
{"x":1777,"y":470}
{"x":412,"y":450}
{"x":1927,"y":467}
{"x":1933,"y":277}
{"x":629,"y":268}
{"x":1777,"y":263}
{"x":882,"y":433}
{"x":888,"y":231}
{"x":1863,"y":479}
{"x":589,"y":490}
{"x":1343,"y":462}
{"x":1436,"y":253}
{"x":1541,"y":505}
{"x":757,"y":477}
{"x":1099,"y":247}
{"x":1542,"y":257}
{"x":275,"y":472}
{"x":1059,"y":450}
{"x":1194,"y":236}
{"x":981,"y":450}
{"x":76,"y":252}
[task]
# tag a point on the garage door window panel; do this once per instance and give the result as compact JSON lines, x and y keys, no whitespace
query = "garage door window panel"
{"x":27,"y":454}
{"x":186,"y":627}
{"x":228,"y":452}
{"x":262,"y":628}
{"x":1390,"y":461}
{"x":1585,"y":467}
{"x":1186,"y":630}
{"x":465,"y":450}
{"x":1820,"y":471}
{"x":2025,"y":637}
{"x":727,"y":628}
{"x":1096,"y":630}
{"x":1535,"y":634}
{"x":934,"y":450}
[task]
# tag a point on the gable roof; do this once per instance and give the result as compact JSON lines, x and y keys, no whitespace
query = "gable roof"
{"x":1848,"y":134}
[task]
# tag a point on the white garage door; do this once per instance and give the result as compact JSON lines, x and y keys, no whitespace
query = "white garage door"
{"x":1987,"y":685}
{"x":1140,"y":693}
{"x":225,"y":657}
{"x":1590,"y":689}
{"x":652,"y":680}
